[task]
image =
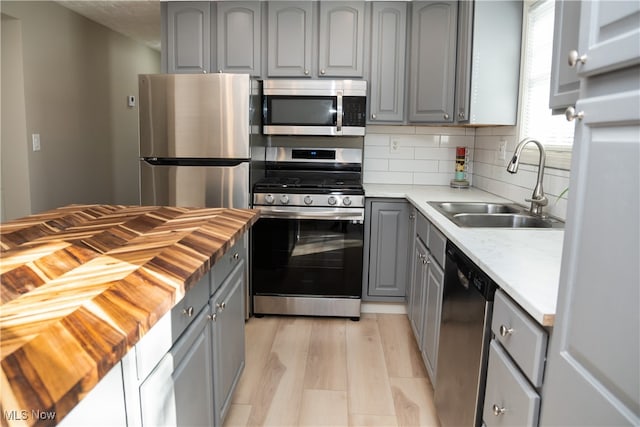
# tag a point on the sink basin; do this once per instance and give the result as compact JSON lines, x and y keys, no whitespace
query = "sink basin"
{"x":500,"y":215}
{"x":505,"y":220}
{"x":477,"y":207}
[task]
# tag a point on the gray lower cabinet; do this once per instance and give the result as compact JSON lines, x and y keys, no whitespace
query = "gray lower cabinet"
{"x":188,"y":37}
{"x":386,"y":250}
{"x":179,"y":391}
{"x":424,"y":302}
{"x":290,"y":34}
{"x":186,"y":367}
{"x":227,"y":337}
{"x":516,"y":366}
{"x":433,"y":61}
{"x":238,"y":37}
{"x":388,"y":53}
{"x":415,"y":306}
{"x":432,"y":315}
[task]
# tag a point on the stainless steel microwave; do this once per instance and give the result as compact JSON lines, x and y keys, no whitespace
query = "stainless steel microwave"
{"x":314,"y":107}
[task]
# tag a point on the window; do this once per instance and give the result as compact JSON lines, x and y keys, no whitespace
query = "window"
{"x":536,"y":120}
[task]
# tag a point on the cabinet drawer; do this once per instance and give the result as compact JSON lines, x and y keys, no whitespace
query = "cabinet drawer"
{"x":509,"y":399}
{"x":229,"y":260}
{"x":169,"y":328}
{"x":422,"y":228}
{"x":437,"y":244}
{"x":521,"y":336}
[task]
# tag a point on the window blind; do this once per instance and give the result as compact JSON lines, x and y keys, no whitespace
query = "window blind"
{"x":536,"y":118}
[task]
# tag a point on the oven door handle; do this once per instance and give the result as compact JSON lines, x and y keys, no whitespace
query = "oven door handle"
{"x":323,"y":213}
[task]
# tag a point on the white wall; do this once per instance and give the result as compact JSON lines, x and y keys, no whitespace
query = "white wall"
{"x":76,"y":76}
{"x":425,"y":155}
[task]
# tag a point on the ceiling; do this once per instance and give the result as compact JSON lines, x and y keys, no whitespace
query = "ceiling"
{"x":139,"y":19}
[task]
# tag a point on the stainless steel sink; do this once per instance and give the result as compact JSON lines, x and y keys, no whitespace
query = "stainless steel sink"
{"x":477,"y":207}
{"x":480,"y":214}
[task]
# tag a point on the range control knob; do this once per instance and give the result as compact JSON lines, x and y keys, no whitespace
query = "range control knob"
{"x":269,"y":199}
{"x":346,"y":201}
{"x":332,"y":200}
{"x":308,"y":200}
{"x":284,"y":199}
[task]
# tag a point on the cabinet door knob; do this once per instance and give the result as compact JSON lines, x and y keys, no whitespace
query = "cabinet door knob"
{"x":221,"y":305}
{"x":575,"y":57}
{"x":570,"y":114}
{"x":204,"y":71}
{"x":323,"y":72}
{"x":461,"y":115}
{"x":504,"y":331}
{"x":497,"y":410}
{"x":412,"y":216}
{"x":373,"y":116}
{"x":236,"y":256}
{"x":220,"y":70}
{"x":306,"y":72}
{"x":446,"y":116}
{"x":188,"y":311}
{"x":213,"y":317}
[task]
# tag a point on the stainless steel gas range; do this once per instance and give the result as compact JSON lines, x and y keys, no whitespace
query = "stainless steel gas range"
{"x":307,"y":247}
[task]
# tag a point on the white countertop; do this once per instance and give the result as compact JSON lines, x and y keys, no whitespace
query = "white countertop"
{"x":525,"y":263}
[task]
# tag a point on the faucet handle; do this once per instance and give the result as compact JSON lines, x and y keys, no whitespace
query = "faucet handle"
{"x":540,"y":201}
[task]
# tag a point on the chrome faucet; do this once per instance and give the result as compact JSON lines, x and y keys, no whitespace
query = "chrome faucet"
{"x":538,"y":199}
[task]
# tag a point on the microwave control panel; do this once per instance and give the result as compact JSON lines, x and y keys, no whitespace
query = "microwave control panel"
{"x":354,"y":108}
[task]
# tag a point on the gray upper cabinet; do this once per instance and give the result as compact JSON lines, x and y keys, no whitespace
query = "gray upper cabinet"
{"x":188,"y":37}
{"x":388,"y":52}
{"x":565,"y":83}
{"x":592,"y":375}
{"x":289,"y":42}
{"x":238,"y":37}
{"x":463,"y":66}
{"x":341,"y":39}
{"x":488,"y":69}
{"x":433,"y":59}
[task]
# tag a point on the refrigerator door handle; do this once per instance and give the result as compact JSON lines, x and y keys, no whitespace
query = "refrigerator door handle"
{"x":188,"y":161}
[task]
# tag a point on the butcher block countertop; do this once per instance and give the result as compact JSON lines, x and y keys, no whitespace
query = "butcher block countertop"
{"x":83,"y":283}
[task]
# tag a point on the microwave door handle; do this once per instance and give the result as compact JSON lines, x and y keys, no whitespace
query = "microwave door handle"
{"x":339,"y":112}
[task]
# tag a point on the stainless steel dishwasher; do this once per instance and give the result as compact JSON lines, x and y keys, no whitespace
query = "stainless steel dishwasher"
{"x":465,"y":330}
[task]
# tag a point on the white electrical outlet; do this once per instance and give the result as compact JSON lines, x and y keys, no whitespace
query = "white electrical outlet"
{"x":394,"y":145}
{"x":502,"y":149}
{"x":131,"y":101}
{"x":35,"y":141}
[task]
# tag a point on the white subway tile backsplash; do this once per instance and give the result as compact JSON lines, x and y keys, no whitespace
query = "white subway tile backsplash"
{"x":425,"y":155}
{"x":436,"y":153}
{"x":376,"y":140}
{"x":413,"y":165}
{"x":376,"y":164}
{"x":372,"y":177}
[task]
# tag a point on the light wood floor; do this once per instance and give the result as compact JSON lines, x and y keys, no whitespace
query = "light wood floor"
{"x":304,"y":371}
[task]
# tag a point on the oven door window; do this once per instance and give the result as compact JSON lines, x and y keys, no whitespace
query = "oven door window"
{"x":301,"y":110}
{"x":307,"y":257}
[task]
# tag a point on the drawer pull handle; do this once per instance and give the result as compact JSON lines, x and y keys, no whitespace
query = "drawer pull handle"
{"x":504,"y":331}
{"x":188,"y":311}
{"x":497,"y":411}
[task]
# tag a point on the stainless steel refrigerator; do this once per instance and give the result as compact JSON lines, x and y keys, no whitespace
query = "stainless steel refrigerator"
{"x":195,"y":140}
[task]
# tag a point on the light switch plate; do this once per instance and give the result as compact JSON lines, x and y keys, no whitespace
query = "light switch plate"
{"x":131,"y":101}
{"x":35,"y":141}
